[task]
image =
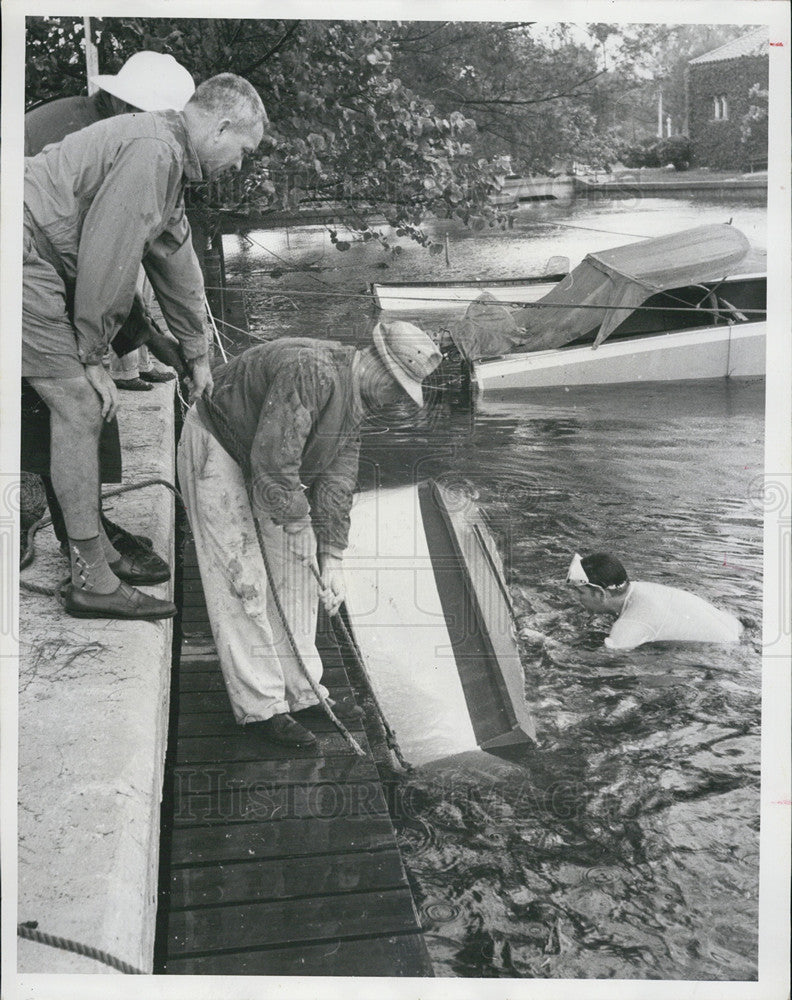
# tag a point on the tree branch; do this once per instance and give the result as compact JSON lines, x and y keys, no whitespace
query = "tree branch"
{"x":271,"y":52}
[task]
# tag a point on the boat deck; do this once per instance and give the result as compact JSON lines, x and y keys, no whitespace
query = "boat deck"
{"x":278,"y":861}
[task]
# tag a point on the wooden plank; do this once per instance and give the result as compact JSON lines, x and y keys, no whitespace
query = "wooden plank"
{"x":193,"y":599}
{"x":222,"y":723}
{"x":261,"y":803}
{"x":402,"y":955}
{"x":195,"y":629}
{"x":209,"y":702}
{"x":283,"y":879}
{"x":249,"y":746}
{"x":193,"y":679}
{"x":192,"y":615}
{"x":290,"y":838}
{"x":210,"y":779}
{"x":254,"y":925}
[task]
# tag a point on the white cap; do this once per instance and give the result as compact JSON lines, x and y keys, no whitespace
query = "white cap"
{"x":151,"y":81}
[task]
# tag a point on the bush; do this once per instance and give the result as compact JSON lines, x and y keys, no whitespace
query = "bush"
{"x":653,"y":152}
{"x":675,"y":149}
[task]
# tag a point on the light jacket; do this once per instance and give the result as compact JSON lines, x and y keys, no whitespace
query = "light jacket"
{"x":106,"y":198}
{"x":289,"y":412}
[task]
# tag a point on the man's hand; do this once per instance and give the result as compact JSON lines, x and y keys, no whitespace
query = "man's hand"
{"x":301,"y":539}
{"x":200,"y":380}
{"x":105,"y":387}
{"x":333,"y":586}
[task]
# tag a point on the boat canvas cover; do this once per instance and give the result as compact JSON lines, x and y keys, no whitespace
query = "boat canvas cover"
{"x":608,"y":284}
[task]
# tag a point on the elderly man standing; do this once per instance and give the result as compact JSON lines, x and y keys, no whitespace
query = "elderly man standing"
{"x":148,"y":81}
{"x":267,"y":468}
{"x":98,"y":204}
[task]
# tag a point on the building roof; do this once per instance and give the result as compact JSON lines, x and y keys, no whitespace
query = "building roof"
{"x":753,"y":44}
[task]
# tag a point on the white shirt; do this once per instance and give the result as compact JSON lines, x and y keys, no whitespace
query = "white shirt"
{"x":655,"y":613}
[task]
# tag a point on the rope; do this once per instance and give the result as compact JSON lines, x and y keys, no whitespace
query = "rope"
{"x":30,"y":552}
{"x":239,"y":456}
{"x":390,"y":736}
{"x":214,"y":327}
{"x":507,"y":302}
{"x":29,"y":931}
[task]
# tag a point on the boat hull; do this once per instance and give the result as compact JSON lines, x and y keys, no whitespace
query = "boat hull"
{"x":431,"y":616}
{"x":703,"y":353}
{"x":454,"y":298}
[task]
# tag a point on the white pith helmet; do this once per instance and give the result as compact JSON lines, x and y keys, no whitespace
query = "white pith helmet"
{"x":409,"y":353}
{"x":151,"y":81}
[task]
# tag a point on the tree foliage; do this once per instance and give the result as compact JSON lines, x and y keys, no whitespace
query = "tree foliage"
{"x":404,"y":119}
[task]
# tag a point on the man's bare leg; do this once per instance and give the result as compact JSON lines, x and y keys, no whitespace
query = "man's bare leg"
{"x":75,"y":426}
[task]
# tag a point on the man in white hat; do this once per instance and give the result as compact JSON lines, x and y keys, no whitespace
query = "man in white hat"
{"x":97,"y":205}
{"x":279,"y":442}
{"x":148,"y":81}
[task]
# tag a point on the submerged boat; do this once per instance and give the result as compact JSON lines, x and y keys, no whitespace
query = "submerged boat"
{"x":431,"y":614}
{"x":405,"y":298}
{"x":691,"y":305}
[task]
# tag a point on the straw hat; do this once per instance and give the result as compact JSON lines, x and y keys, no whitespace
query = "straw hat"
{"x":409,"y":354}
{"x":151,"y":81}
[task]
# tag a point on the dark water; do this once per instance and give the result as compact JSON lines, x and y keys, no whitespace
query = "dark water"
{"x":627,"y":847}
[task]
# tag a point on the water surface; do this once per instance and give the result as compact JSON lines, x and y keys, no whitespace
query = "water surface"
{"x":627,"y":846}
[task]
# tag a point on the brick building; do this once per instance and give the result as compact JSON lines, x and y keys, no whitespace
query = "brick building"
{"x":723,"y":86}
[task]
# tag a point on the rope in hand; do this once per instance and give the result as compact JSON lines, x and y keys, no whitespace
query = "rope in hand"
{"x":29,"y":931}
{"x":289,"y":635}
{"x":338,"y":623}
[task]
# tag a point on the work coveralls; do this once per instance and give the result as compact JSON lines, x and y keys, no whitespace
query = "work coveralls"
{"x":289,"y":413}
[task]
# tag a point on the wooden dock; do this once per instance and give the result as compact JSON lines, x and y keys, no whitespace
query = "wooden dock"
{"x":277,"y":861}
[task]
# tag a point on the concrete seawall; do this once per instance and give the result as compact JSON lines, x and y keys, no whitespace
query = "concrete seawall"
{"x":93,"y":717}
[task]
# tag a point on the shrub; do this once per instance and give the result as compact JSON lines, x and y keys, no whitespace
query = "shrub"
{"x":653,"y":152}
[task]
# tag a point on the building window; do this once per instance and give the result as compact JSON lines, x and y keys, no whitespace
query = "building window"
{"x":721,"y":108}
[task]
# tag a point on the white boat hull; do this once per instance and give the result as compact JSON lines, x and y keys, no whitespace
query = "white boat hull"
{"x":427,"y":606}
{"x":453,"y":299}
{"x":704,"y":353}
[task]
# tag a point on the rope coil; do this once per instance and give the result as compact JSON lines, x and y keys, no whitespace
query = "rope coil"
{"x":29,"y":931}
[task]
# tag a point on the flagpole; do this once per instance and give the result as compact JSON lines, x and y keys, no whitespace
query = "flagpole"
{"x":91,"y":56}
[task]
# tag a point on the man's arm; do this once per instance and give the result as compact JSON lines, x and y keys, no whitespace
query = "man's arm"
{"x":628,"y":633}
{"x":331,"y":502}
{"x":331,"y":499}
{"x":172,"y":267}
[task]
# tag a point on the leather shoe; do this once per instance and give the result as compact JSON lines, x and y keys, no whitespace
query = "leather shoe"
{"x":125,"y":602}
{"x":284,"y":729}
{"x":133,"y":384}
{"x":124,"y":541}
{"x":344,"y":709}
{"x":142,"y":568}
{"x":157,"y":376}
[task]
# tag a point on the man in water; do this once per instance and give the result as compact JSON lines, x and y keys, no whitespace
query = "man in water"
{"x":274,"y":455}
{"x":647,"y":612}
{"x":97,"y":205}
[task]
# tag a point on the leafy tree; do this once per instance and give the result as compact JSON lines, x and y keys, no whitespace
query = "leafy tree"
{"x":407,"y":119}
{"x":655,"y":57}
{"x":532,"y":98}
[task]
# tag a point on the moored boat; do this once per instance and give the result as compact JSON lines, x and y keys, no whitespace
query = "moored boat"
{"x":688,"y":306}
{"x":453,"y":297}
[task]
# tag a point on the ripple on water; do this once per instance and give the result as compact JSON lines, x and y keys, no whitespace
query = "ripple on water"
{"x":627,"y":845}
